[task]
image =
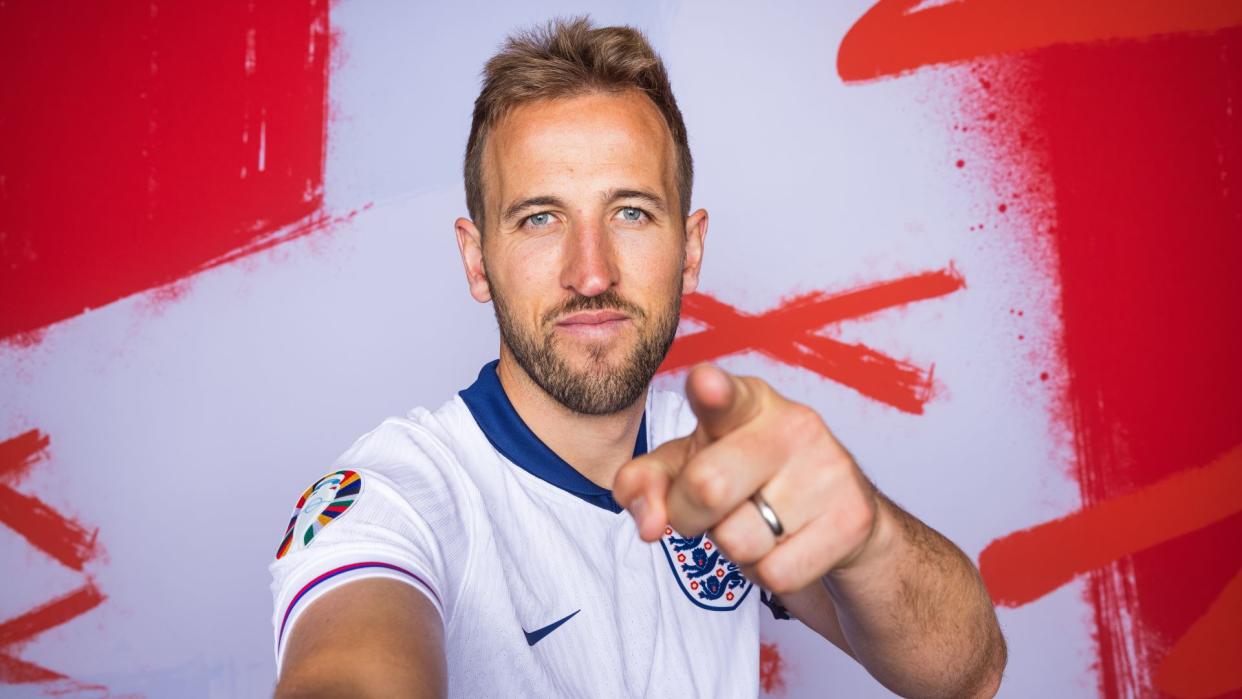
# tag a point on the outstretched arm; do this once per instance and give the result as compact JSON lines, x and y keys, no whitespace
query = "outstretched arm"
{"x":386,"y":634}
{"x":913,"y":611}
{"x":897,"y":596}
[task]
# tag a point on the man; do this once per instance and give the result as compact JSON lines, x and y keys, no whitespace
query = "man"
{"x":483,"y":549}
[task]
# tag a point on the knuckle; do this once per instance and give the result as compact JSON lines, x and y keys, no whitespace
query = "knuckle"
{"x":774,"y":575}
{"x":855,"y":522}
{"x":740,"y":547}
{"x":726,"y":540}
{"x":756,"y":386}
{"x":832,"y":471}
{"x":627,"y":479}
{"x":632,"y":480}
{"x":790,"y":571}
{"x":708,"y":487}
{"x":820,"y":477}
{"x":802,"y":424}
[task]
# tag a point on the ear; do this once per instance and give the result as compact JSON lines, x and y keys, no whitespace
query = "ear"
{"x":470,"y":245}
{"x":696,"y":231}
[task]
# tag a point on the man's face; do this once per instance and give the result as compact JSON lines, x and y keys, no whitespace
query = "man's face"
{"x":585,"y":256}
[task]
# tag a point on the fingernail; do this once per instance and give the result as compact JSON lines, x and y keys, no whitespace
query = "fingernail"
{"x":638,"y":509}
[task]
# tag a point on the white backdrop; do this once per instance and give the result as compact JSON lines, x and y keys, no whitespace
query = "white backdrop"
{"x":184,"y":429}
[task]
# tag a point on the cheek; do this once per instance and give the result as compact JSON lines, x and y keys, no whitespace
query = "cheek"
{"x":505,"y":259}
{"x":670,"y":281}
{"x":656,"y":267}
{"x":526,"y":276}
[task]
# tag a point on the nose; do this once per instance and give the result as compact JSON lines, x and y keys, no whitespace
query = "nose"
{"x":590,"y":265}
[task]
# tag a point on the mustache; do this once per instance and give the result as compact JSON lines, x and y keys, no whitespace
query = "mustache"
{"x":607,"y":301}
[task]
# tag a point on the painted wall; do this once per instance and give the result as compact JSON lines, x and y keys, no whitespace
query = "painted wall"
{"x":996,"y":244}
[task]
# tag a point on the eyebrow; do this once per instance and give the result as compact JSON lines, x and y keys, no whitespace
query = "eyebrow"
{"x":518,"y":207}
{"x":610,"y":196}
{"x":651,"y":198}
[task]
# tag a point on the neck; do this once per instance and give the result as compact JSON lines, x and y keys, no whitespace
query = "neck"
{"x":595,"y":445}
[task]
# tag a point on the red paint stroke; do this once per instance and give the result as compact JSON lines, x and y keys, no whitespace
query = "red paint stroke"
{"x":893,"y":37}
{"x":1142,"y":144}
{"x":14,"y":671}
{"x":771,"y":669}
{"x":24,"y":628}
{"x":132,"y":163}
{"x":45,"y":528}
{"x":1204,"y":661}
{"x":62,"y":539}
{"x":311,"y":224}
{"x":50,"y":615}
{"x":788,"y":334}
{"x":1026,"y":565}
{"x":1144,"y":149}
{"x":18,"y":454}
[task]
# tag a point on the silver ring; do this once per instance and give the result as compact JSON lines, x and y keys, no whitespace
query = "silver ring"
{"x":768,"y":515}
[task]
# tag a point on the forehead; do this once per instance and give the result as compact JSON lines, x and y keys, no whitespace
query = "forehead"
{"x":592,"y":139}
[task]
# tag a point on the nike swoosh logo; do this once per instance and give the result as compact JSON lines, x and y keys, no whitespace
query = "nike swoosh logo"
{"x":533,"y":637}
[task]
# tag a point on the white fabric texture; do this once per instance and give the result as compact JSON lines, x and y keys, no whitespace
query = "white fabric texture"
{"x":502,"y":551}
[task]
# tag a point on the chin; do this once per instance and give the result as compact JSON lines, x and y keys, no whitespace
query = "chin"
{"x":596,"y":356}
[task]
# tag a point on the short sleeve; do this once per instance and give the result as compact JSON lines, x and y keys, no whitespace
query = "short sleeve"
{"x":393,"y":507}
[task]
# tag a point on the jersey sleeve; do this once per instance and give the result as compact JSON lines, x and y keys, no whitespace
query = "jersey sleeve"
{"x":393,"y":507}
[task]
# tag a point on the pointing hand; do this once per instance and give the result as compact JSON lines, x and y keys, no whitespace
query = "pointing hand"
{"x":752,"y":441}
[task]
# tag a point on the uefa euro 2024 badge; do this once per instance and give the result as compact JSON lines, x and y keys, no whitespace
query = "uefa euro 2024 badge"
{"x":708,"y":578}
{"x":323,"y":502}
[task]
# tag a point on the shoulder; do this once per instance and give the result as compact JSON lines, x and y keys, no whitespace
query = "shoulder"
{"x":409,"y":453}
{"x":394,"y":443}
{"x":400,"y":474}
{"x":393,"y":499}
{"x":390,"y":474}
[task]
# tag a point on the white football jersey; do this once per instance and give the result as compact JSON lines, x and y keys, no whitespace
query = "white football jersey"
{"x":540,"y":578}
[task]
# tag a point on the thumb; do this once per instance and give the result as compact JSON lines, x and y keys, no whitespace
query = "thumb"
{"x":641,"y":486}
{"x":721,"y":401}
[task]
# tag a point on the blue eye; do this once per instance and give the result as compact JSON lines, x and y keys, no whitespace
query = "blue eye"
{"x":632,"y":214}
{"x":540,"y":219}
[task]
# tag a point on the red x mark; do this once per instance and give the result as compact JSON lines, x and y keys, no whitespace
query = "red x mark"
{"x":57,"y":536}
{"x":789,"y":334}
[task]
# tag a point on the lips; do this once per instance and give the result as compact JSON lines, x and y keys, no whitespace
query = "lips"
{"x":588,"y":318}
{"x":593,"y":326}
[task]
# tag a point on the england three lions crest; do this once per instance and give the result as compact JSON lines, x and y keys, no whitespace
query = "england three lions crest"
{"x":708,"y":578}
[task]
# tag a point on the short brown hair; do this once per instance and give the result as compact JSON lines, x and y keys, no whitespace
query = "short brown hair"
{"x":566,"y":58}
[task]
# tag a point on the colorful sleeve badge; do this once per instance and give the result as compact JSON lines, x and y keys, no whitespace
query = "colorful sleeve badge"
{"x":323,"y":502}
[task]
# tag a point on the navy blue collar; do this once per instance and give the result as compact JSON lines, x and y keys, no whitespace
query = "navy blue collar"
{"x":504,"y":428}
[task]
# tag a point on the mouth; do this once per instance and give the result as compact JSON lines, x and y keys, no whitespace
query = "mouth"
{"x":596,"y":325}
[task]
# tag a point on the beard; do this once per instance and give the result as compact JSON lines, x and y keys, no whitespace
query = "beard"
{"x":600,"y":388}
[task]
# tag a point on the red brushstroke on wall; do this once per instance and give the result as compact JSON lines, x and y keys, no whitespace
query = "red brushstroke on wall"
{"x":1145,"y":150}
{"x":788,"y":334}
{"x":45,"y":528}
{"x":771,"y":669}
{"x":892,"y":37}
{"x":27,"y":626}
{"x":1204,"y":661}
{"x":1142,"y":143}
{"x":19,"y":454}
{"x":1026,"y":565}
{"x":143,"y":142}
{"x":59,"y":537}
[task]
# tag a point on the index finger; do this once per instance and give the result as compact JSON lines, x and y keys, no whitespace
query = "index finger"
{"x":641,"y":485}
{"x":722,"y":402}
